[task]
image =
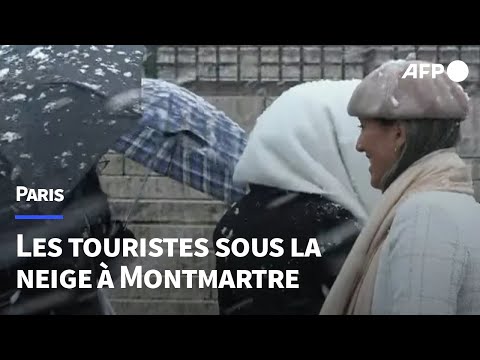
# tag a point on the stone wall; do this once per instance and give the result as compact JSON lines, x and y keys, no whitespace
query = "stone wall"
{"x":264,"y":64}
{"x":169,"y":209}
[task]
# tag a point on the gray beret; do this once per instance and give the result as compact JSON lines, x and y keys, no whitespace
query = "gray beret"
{"x":385,"y":94}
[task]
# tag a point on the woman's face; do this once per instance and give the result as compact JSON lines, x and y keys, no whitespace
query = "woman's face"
{"x":382,"y":145}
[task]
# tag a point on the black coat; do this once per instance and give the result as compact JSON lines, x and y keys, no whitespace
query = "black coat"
{"x":272,"y":213}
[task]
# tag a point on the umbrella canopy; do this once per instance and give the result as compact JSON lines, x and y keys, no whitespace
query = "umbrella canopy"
{"x":186,"y":138}
{"x":109,"y":69}
{"x":61,"y":108}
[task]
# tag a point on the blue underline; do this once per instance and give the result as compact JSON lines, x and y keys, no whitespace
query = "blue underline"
{"x":38,"y":217}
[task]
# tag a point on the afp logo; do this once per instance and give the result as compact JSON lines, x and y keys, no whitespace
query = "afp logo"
{"x":457,"y":71}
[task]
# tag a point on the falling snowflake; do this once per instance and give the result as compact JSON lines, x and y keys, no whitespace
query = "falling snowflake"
{"x":19,"y":97}
{"x":10,"y":136}
{"x":3,"y":73}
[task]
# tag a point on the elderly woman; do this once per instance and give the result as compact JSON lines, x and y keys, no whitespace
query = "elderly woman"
{"x":306,"y":181}
{"x":420,"y":250}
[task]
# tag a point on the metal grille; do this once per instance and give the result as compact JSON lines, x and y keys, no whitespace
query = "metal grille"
{"x":233,"y":68}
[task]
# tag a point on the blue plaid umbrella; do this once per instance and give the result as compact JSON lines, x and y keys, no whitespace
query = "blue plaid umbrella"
{"x":184,"y":137}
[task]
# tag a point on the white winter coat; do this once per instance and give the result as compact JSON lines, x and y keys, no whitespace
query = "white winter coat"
{"x":430,"y":262}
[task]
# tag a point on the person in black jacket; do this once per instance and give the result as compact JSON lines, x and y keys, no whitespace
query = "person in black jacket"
{"x":306,"y":181}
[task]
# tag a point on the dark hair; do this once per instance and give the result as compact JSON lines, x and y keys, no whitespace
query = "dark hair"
{"x":423,"y":136}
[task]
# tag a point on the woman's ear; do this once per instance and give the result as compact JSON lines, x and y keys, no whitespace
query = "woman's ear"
{"x":400,"y":135}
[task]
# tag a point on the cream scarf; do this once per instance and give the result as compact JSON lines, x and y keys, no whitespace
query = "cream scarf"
{"x":352,"y":292}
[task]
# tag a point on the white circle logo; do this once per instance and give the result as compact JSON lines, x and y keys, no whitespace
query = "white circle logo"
{"x":457,"y":71}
